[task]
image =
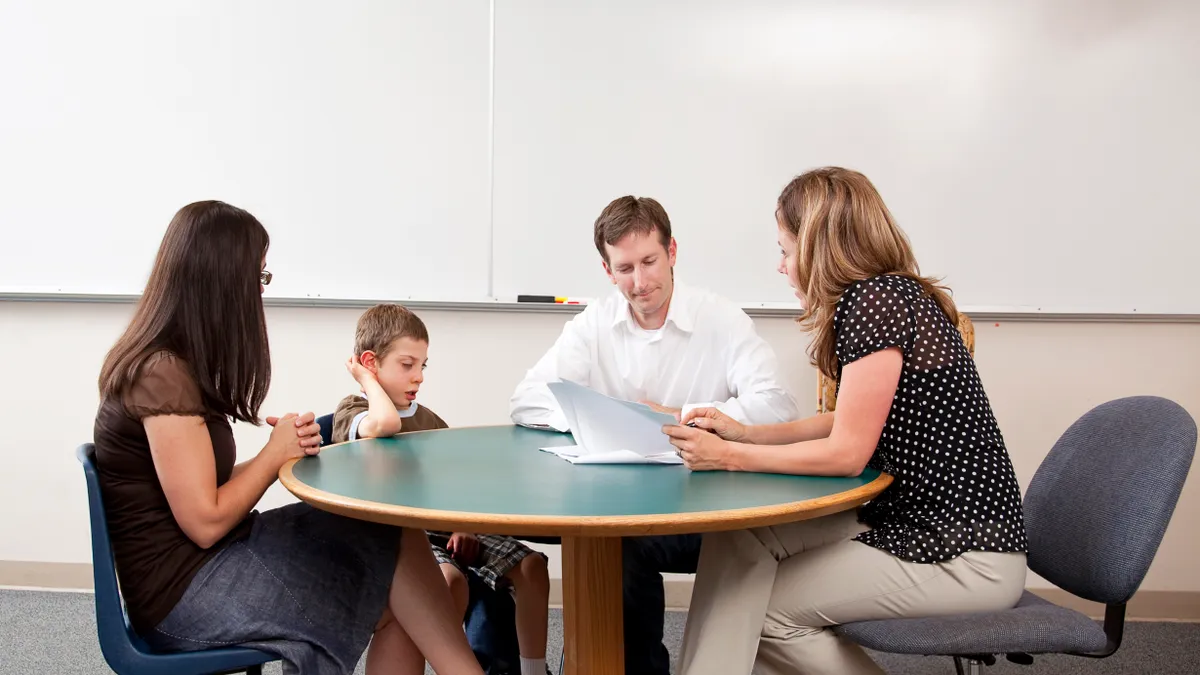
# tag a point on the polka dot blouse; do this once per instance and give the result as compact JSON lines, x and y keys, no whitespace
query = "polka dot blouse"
{"x":954,"y":489}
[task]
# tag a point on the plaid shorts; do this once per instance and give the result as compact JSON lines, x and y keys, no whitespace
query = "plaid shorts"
{"x":498,"y":554}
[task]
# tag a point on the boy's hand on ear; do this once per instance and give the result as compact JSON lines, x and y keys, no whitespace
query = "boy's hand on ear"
{"x":359,"y":372}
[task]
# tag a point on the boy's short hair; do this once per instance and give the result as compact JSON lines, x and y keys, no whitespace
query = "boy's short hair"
{"x":379,"y":328}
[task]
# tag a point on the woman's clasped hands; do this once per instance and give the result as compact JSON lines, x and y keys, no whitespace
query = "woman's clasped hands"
{"x":294,"y":436}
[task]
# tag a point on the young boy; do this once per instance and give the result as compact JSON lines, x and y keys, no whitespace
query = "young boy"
{"x":390,"y":353}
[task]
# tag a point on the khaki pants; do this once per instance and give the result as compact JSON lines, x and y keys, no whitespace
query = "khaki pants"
{"x":764,"y":599}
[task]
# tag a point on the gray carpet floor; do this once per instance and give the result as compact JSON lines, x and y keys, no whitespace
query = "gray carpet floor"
{"x":42,"y":632}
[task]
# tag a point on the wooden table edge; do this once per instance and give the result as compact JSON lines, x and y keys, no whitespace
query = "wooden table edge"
{"x":581,"y":526}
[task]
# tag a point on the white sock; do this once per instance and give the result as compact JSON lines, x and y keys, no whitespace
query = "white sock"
{"x":533,"y":666}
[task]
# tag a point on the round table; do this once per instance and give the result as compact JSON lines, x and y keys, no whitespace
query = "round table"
{"x":495,"y":480}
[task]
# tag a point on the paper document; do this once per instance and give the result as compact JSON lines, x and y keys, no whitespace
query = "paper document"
{"x":611,"y":431}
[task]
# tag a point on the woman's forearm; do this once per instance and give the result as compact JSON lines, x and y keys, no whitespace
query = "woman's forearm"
{"x":233,"y":500}
{"x":797,"y":431}
{"x":244,"y":489}
{"x":238,"y":468}
{"x":819,"y":457}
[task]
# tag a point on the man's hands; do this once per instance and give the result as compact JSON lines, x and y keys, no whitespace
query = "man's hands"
{"x":663,"y":409}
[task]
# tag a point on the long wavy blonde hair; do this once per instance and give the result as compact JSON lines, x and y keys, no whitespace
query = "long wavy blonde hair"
{"x":844,"y":233}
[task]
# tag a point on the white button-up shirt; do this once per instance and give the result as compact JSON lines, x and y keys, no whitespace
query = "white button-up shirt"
{"x":707,"y":353}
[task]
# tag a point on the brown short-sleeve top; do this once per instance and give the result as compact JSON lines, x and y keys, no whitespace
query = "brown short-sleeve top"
{"x":155,"y":560}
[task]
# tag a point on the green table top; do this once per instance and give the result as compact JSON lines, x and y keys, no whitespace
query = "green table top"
{"x":496,"y":480}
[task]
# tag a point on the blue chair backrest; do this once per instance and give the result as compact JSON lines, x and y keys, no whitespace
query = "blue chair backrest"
{"x":1099,"y":504}
{"x":112,"y":624}
{"x":126,"y":652}
{"x":326,"y":424}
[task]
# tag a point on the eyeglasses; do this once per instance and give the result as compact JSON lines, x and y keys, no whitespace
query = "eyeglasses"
{"x":264,"y":278}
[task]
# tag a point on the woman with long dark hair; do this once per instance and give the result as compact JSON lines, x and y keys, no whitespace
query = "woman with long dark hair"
{"x":198,"y":567}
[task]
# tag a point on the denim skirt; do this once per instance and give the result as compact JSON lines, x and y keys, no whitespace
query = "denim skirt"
{"x":306,"y":585}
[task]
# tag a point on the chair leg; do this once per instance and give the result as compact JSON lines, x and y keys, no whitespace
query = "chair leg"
{"x":967,"y":666}
{"x":562,"y":661}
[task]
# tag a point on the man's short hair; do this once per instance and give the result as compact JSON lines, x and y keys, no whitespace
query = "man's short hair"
{"x":379,"y":328}
{"x":631,"y":215}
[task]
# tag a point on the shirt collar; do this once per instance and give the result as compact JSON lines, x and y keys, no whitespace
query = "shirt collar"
{"x":679,"y":313}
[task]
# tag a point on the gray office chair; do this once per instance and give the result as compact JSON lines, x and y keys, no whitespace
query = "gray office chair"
{"x":1095,"y":514}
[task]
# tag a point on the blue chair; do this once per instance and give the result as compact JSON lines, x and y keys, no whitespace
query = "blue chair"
{"x":125,"y":652}
{"x":326,"y":424}
{"x":1095,"y":514}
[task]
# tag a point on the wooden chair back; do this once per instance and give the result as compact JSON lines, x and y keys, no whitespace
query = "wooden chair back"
{"x":827,"y":387}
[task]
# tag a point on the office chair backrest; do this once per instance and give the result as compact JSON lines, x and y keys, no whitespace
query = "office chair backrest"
{"x":1098,"y":506}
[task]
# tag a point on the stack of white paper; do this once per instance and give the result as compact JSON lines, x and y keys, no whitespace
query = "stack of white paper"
{"x":611,"y":431}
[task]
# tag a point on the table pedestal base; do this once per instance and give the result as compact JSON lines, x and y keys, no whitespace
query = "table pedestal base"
{"x":593,"y":627}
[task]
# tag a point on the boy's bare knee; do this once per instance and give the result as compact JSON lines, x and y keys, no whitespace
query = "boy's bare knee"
{"x":534,"y":565}
{"x":531,"y":571}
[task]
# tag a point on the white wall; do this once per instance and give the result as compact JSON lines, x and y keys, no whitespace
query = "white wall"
{"x":1040,"y":377}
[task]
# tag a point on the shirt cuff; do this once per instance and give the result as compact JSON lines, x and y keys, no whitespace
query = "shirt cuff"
{"x":558,"y":422}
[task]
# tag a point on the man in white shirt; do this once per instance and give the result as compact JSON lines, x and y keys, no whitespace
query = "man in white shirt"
{"x":668,"y":345}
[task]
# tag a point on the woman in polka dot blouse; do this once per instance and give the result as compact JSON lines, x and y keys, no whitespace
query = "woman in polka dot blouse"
{"x":946,"y":537}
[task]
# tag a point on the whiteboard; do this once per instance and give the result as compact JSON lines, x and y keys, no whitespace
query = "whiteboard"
{"x":1040,"y":154}
{"x":357,"y":132}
